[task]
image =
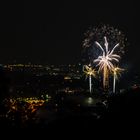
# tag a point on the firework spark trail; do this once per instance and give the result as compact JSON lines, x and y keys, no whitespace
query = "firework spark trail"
{"x":114,"y":84}
{"x":89,"y":72}
{"x":90,"y":84}
{"x":116,"y":72}
{"x":105,"y":61}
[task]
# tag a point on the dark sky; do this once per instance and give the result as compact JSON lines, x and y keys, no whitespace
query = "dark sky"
{"x":53,"y":32}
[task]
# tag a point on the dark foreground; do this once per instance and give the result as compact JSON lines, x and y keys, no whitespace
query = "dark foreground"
{"x":76,"y":115}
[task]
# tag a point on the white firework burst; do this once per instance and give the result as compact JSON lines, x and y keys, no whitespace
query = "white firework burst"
{"x":105,"y":61}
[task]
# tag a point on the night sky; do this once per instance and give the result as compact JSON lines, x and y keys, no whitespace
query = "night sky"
{"x":52,"y":33}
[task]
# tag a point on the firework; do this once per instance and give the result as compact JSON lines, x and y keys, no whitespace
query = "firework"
{"x":89,"y":71}
{"x":116,"y":72}
{"x":105,"y":61}
{"x":104,"y":46}
{"x":114,"y":36}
